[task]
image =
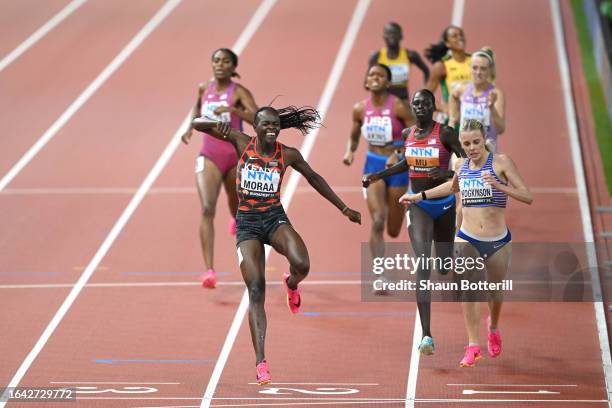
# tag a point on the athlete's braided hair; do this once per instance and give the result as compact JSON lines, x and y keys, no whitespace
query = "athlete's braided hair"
{"x":303,"y":119}
{"x":233,"y":58}
{"x":436,"y":51}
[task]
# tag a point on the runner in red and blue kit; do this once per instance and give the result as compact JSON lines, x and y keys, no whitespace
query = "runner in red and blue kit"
{"x":428,"y":148}
{"x":380,"y":120}
{"x":224,"y":100}
{"x":261,"y":218}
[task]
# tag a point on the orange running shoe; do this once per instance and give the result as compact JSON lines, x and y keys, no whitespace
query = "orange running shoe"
{"x":472,"y":354}
{"x":294,"y":299}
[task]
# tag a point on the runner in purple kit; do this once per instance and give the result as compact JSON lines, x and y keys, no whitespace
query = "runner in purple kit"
{"x":480,"y":99}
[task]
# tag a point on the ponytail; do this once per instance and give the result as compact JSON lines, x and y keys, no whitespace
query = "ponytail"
{"x":303,"y":119}
{"x":437,"y":51}
{"x":488,"y":54}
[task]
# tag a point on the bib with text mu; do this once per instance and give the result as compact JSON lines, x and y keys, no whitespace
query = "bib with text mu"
{"x":259,"y":178}
{"x":423,"y":155}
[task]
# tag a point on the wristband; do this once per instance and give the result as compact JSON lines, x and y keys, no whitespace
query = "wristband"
{"x":345,"y":208}
{"x":423,"y":195}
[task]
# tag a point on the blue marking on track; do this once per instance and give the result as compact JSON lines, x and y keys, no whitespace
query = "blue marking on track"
{"x":22,"y":273}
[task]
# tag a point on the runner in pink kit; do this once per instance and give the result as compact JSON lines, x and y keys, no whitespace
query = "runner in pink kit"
{"x":223,"y":100}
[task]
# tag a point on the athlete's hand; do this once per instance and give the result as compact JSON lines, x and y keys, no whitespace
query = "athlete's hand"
{"x":488,"y":178}
{"x":491,"y":99}
{"x":224,"y":128}
{"x":222,"y":109}
{"x":203,"y":123}
{"x":391,"y":160}
{"x":408,"y":199}
{"x":352,"y":215}
{"x":187,"y":136}
{"x":348,"y":158}
{"x":456,"y":188}
{"x":440,"y":116}
{"x":368,"y":179}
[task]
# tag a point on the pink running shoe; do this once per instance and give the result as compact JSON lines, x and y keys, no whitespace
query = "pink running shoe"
{"x":209,"y":279}
{"x":494,"y":341}
{"x":472,"y":353}
{"x":231,"y":226}
{"x":294,"y":300}
{"x":263,"y":373}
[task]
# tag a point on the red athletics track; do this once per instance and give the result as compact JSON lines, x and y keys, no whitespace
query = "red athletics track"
{"x":19,"y":19}
{"x":43,"y":82}
{"x":45,"y":237}
{"x":67,"y":229}
{"x":348,"y":342}
{"x":541,"y":338}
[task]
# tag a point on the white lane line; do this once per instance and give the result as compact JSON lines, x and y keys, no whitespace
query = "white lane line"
{"x":40,"y":33}
{"x":415,"y":356}
{"x":457,"y":17}
{"x":224,"y":283}
{"x":413,"y":372}
{"x":313,"y":383}
{"x":583,"y":197}
{"x":323,"y":105}
{"x":356,"y":400}
{"x":131,"y":207}
{"x":472,"y":392}
{"x":286,"y":404}
{"x":192,"y":190}
{"x":93,"y":264}
{"x":123,"y":55}
{"x":512,"y":385}
{"x":114,"y":382}
{"x":164,"y":284}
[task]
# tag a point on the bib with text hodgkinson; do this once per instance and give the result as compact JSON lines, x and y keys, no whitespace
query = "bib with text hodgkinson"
{"x":475,"y":191}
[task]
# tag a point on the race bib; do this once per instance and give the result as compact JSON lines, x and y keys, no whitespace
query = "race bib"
{"x":478,"y":111}
{"x":208,"y":109}
{"x":399,"y":74}
{"x":475,"y":191}
{"x":377,"y":130}
{"x":422,"y":159}
{"x":259,"y":181}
